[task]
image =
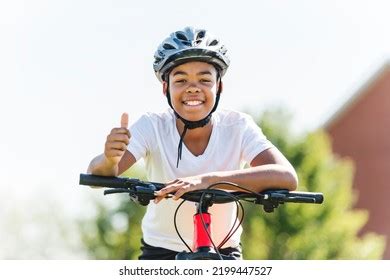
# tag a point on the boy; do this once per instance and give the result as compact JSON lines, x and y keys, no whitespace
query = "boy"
{"x":212,"y":145}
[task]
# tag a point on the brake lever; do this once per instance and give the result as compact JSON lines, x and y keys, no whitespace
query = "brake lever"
{"x":111,"y":191}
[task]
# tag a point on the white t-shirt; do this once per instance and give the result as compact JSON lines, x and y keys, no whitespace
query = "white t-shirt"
{"x":234,"y":141}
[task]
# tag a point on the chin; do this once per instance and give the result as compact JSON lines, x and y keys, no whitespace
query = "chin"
{"x":193,"y":116}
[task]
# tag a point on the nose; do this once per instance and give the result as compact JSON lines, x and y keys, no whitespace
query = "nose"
{"x":192,"y":88}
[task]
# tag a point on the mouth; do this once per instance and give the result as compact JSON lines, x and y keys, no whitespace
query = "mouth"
{"x":193,"y":103}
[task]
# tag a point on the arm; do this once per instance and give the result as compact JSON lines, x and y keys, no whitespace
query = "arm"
{"x":116,"y":158}
{"x":101,"y":165}
{"x":269,"y":169}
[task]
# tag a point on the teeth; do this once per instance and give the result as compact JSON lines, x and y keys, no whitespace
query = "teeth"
{"x":193,"y":102}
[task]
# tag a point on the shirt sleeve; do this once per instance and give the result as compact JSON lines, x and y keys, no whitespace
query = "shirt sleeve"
{"x":142,"y":134}
{"x":254,"y":141}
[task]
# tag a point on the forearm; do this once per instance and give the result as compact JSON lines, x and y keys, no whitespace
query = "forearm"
{"x":258,"y":178}
{"x":101,"y":166}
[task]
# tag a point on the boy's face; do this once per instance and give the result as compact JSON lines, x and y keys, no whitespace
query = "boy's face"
{"x":193,"y":87}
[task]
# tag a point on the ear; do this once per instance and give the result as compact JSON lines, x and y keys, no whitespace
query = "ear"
{"x":165,"y":88}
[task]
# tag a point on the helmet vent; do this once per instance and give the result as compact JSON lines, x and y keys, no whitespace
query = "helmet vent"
{"x":168,"y":46}
{"x":200,"y":35}
{"x":181,"y":36}
{"x":214,"y":42}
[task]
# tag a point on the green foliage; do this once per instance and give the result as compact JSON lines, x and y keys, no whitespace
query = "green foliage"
{"x":115,"y":233}
{"x":304,"y":231}
{"x":295,"y":231}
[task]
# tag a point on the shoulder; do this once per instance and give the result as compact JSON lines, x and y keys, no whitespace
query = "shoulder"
{"x":155,"y":124}
{"x":228,"y":117}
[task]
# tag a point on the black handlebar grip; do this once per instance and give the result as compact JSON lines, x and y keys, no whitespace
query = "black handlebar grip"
{"x":317,"y":198}
{"x":102,"y":181}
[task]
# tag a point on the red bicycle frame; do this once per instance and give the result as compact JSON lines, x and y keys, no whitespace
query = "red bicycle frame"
{"x":202,"y":231}
{"x":202,"y":245}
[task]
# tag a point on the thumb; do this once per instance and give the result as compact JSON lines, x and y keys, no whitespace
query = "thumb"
{"x":125,"y":120}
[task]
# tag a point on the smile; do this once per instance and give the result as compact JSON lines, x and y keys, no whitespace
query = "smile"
{"x":193,"y":102}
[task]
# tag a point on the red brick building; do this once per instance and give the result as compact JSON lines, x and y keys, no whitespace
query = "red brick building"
{"x":361,"y":131}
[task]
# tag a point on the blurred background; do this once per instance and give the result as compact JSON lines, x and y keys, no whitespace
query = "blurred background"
{"x":314,"y":74}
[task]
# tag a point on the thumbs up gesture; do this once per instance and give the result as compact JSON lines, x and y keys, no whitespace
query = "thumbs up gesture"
{"x":117,"y":141}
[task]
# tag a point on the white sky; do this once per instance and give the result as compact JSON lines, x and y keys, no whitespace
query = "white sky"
{"x":68,"y":69}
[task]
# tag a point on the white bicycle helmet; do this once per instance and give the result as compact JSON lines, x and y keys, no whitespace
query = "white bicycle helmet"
{"x":189,"y":44}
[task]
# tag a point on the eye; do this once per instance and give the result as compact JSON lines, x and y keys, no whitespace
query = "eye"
{"x":205,"y":81}
{"x":181,"y":81}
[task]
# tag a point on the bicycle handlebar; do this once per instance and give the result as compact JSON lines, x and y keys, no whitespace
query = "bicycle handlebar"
{"x":143,"y":191}
{"x":114,"y":182}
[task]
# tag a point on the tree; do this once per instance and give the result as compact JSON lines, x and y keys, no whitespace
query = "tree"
{"x":304,"y":231}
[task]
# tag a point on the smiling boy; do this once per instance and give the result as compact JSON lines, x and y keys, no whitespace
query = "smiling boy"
{"x":193,"y":145}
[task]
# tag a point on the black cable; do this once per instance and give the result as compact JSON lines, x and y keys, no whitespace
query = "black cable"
{"x":231,"y":231}
{"x":175,"y":224}
{"x":228,"y":236}
{"x":205,"y":228}
{"x":223,"y":242}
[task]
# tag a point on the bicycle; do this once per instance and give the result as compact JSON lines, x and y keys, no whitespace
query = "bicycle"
{"x":142,"y":192}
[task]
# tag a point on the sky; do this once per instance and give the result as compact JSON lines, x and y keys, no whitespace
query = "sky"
{"x":68,"y":69}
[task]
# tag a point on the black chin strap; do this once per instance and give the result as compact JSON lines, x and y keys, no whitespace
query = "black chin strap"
{"x":191,"y":124}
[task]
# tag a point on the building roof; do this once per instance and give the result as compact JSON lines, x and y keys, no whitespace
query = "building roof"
{"x":355,"y":98}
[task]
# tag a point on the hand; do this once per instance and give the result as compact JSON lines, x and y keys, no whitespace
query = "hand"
{"x":182,"y":185}
{"x":117,"y":141}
